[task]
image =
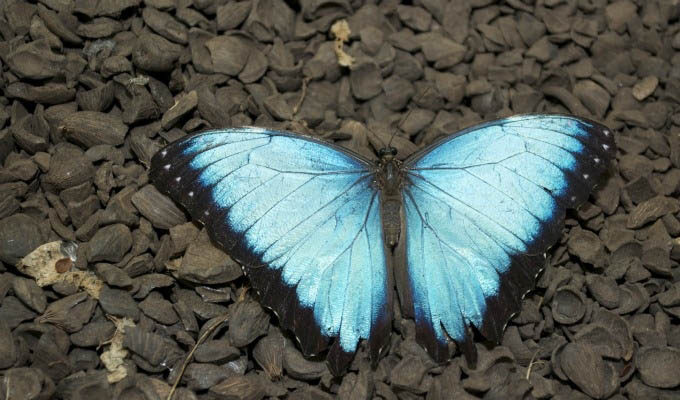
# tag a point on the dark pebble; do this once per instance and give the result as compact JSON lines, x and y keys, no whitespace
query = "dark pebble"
{"x":366,"y":81}
{"x":588,"y":371}
{"x":110,"y":243}
{"x":659,"y":367}
{"x":35,"y":60}
{"x":157,"y":208}
{"x":297,"y":366}
{"x":154,"y":53}
{"x":651,"y":210}
{"x":83,"y":360}
{"x":408,"y":374}
{"x":68,"y":168}
{"x":8,"y":349}
{"x":97,"y":99}
{"x":239,"y":387}
{"x":13,"y":312}
{"x":152,"y":348}
{"x":149,"y":282}
{"x":199,"y":307}
{"x":165,"y":25}
{"x":19,"y":235}
{"x":186,"y":316}
{"x":216,"y":351}
{"x":29,"y":293}
{"x":201,"y":376}
{"x":214,"y":295}
{"x":92,"y":128}
{"x":268,"y":353}
{"x":182,"y":107}
{"x":247,"y":322}
{"x":604,"y":289}
{"x":159,"y":309}
{"x":639,"y":190}
{"x":568,"y":305}
{"x":93,"y":384}
{"x":232,"y":14}
{"x":229,"y":54}
{"x":206,"y":264}
{"x":587,"y":246}
{"x":93,"y":334}
{"x":113,"y":276}
{"x":118,"y":303}
{"x":29,"y":383}
{"x":69,"y":313}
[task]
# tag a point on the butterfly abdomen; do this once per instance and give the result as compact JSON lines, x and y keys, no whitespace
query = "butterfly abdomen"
{"x":390,"y":178}
{"x":391,"y":215}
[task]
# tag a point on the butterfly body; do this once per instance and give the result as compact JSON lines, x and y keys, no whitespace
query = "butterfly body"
{"x":389,"y":181}
{"x":460,"y":227}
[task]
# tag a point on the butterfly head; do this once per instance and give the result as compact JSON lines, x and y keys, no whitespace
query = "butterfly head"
{"x":387,"y":153}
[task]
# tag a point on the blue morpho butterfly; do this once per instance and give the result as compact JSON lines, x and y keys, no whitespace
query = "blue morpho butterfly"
{"x":460,"y":227}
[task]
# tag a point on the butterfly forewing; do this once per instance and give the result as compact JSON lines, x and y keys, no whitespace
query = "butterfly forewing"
{"x":482,"y":206}
{"x":302,"y":217}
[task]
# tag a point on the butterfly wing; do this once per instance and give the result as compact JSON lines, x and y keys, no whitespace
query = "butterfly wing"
{"x":481,"y":208}
{"x":302,"y":217}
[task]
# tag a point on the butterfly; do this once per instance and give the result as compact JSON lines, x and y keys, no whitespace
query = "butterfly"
{"x":460,"y":227}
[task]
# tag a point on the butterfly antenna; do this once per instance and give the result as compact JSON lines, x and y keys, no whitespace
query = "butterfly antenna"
{"x":408,"y":114}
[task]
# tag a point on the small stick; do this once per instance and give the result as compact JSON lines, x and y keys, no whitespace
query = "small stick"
{"x":193,"y":350}
{"x":302,"y":96}
{"x":531,"y":364}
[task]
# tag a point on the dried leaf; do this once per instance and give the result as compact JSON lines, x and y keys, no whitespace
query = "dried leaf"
{"x":114,"y":356}
{"x":41,"y":264}
{"x":341,"y":31}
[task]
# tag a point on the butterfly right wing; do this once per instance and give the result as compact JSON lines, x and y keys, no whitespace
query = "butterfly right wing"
{"x":304,"y":220}
{"x":482,"y":207}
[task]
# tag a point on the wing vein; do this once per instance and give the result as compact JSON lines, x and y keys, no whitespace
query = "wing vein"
{"x":472,"y":208}
{"x":277,"y":203}
{"x":314,"y":213}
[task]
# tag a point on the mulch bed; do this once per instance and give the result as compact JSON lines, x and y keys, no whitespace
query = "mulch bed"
{"x":90,"y":90}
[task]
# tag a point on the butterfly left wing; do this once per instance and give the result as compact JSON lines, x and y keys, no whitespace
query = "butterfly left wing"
{"x":303,"y":218}
{"x":481,"y":208}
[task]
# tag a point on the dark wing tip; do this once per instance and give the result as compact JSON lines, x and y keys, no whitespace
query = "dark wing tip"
{"x":426,"y":336}
{"x":338,"y":360}
{"x":280,"y":298}
{"x":514,"y":285}
{"x":379,"y":339}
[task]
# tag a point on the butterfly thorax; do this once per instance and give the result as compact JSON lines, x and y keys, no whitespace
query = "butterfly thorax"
{"x":389,"y":180}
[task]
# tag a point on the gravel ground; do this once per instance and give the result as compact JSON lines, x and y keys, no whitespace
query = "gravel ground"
{"x":123,"y":286}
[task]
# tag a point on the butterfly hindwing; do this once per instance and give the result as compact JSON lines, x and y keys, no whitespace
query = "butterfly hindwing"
{"x":482,"y":206}
{"x":302,"y":217}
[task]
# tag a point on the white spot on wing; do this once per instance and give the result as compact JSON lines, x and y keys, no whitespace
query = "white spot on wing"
{"x":585,"y":176}
{"x":606,"y":132}
{"x":605,"y":146}
{"x":164,"y":153}
{"x":597,"y":160}
{"x":179,"y":178}
{"x":573,"y":198}
{"x":191,"y":194}
{"x":166,"y":167}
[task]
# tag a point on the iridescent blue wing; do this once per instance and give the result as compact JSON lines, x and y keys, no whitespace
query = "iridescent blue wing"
{"x":481,"y":208}
{"x":302,"y":217}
